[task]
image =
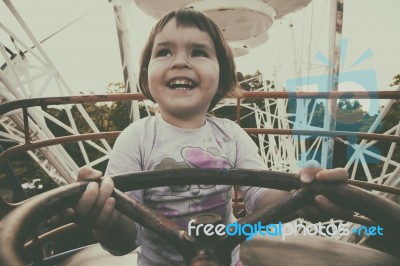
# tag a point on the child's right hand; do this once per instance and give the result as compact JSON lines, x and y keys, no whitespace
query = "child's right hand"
{"x":96,"y":206}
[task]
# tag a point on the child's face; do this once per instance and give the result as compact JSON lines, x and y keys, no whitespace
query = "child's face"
{"x":183,"y":71}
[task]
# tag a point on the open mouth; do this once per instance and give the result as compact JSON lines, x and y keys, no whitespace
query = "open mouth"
{"x":181,"y":84}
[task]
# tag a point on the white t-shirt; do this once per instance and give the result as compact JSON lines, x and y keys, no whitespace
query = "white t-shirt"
{"x":151,"y":143}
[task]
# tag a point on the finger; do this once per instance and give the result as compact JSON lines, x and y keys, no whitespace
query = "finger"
{"x":331,"y":208}
{"x":107,"y":215}
{"x":87,"y":172}
{"x":336,"y":174}
{"x":88,"y":199}
{"x":106,"y":189}
{"x":311,"y":168}
{"x":65,"y":217}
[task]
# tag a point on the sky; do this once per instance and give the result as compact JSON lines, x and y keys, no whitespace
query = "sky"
{"x":86,"y":53}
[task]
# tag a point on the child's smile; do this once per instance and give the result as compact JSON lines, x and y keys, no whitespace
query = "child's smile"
{"x":183,"y":74}
{"x":181,"y":84}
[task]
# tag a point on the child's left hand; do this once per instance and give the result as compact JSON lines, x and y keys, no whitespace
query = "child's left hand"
{"x":323,"y":208}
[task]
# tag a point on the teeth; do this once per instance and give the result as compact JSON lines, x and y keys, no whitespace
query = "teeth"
{"x":181,"y":84}
{"x":182,"y":88}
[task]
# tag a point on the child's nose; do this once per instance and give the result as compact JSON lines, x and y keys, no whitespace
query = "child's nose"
{"x":181,"y":60}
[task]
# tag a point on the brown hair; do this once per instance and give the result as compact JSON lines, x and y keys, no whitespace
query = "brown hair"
{"x":188,"y":17}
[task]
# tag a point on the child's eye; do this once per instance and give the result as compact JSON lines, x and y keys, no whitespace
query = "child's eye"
{"x":199,"y":52}
{"x":163,"y":52}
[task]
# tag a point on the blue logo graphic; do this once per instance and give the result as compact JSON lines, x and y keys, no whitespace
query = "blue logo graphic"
{"x":368,"y":231}
{"x":356,"y":80}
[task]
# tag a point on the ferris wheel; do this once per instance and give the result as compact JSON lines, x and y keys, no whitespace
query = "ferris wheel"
{"x":28,"y":72}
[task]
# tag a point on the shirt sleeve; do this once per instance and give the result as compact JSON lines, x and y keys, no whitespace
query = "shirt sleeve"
{"x":248,"y":157}
{"x":126,"y":158}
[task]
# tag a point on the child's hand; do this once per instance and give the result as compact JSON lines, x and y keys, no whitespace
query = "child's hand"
{"x":96,"y":206}
{"x":323,"y":208}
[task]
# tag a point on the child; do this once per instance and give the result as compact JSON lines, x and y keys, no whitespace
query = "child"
{"x":186,"y":67}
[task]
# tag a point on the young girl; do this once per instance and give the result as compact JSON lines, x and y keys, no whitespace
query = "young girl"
{"x":186,"y":67}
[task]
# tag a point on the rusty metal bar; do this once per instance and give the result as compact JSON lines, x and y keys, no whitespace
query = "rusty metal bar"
{"x":152,"y":220}
{"x":219,"y":176}
{"x":322,"y":133}
{"x":5,"y":107}
{"x":323,"y":95}
{"x":9,"y":206}
{"x":12,"y":234}
{"x":95,"y":136}
{"x":264,"y":176}
{"x":53,"y":234}
{"x":12,"y":105}
{"x":372,"y":186}
{"x":29,"y":215}
{"x":59,"y":140}
{"x":30,"y":102}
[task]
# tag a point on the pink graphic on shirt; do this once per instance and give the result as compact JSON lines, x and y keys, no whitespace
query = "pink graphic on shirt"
{"x":199,"y":158}
{"x":193,"y":198}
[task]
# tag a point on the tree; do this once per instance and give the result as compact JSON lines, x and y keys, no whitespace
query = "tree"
{"x":396,"y":80}
{"x":255,"y":81}
{"x":119,"y":110}
{"x":391,"y":119}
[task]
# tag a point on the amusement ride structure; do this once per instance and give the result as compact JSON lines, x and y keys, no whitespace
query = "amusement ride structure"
{"x":285,"y":121}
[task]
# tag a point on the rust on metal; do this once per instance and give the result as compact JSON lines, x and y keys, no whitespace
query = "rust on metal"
{"x":322,"y":133}
{"x":12,"y":235}
{"x":58,"y":232}
{"x":25,"y":103}
{"x":59,"y":140}
{"x":372,"y":186}
{"x":323,"y":95}
{"x":31,"y":102}
{"x":12,"y":105}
